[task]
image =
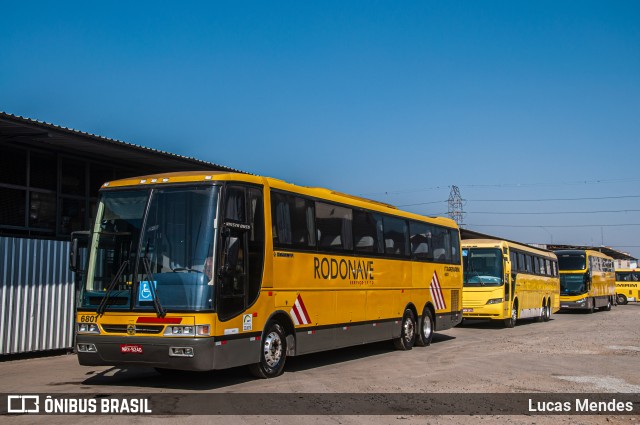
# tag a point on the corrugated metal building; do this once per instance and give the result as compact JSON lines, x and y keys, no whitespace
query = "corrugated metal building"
{"x":49,"y":181}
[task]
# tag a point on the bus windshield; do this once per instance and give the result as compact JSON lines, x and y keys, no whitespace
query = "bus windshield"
{"x":572,"y":284}
{"x":572,"y":262}
{"x":482,"y":266}
{"x":162,"y":237}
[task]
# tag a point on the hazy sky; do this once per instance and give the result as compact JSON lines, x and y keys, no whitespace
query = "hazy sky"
{"x":393,"y":100}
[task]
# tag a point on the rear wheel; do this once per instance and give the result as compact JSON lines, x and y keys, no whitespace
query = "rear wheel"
{"x":622,"y":299}
{"x":426,"y":329}
{"x":547,"y":311}
{"x":407,"y":332}
{"x":543,"y":312}
{"x":273,"y":353}
{"x":608,"y":306}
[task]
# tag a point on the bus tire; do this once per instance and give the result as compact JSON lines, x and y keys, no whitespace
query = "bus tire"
{"x":543,"y":312}
{"x":607,"y":307}
{"x":273,"y":353}
{"x":547,"y":311}
{"x":622,"y":299}
{"x":511,"y":321}
{"x":407,"y":332}
{"x":426,"y":329}
{"x":592,"y":307}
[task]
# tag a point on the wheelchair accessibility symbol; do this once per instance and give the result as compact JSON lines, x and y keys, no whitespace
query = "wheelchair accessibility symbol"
{"x":144,"y":293}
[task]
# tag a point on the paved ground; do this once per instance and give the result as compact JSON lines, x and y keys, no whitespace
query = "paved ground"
{"x":573,"y":353}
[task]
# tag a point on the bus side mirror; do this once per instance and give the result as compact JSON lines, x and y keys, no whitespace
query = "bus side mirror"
{"x":79,"y":240}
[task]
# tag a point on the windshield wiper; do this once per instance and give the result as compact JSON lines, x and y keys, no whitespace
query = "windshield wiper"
{"x":103,"y":304}
{"x":156,"y":301}
{"x":478,"y":276}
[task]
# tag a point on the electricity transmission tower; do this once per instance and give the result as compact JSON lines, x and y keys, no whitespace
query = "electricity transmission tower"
{"x":455,"y":206}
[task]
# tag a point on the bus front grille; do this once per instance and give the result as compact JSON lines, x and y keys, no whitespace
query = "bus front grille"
{"x":122,"y":329}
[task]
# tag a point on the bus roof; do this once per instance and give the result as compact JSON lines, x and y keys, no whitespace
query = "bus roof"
{"x":587,"y":252}
{"x":315,"y":192}
{"x":499,"y":243}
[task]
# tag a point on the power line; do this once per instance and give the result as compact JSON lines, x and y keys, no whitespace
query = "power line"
{"x":551,"y":184}
{"x":544,"y":213}
{"x":424,"y":203}
{"x":553,"y":199}
{"x":526,"y":200}
{"x":568,"y":225}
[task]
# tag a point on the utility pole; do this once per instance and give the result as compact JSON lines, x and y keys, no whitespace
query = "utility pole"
{"x":455,"y":206}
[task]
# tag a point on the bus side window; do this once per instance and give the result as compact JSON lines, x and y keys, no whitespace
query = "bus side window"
{"x":293,"y":221}
{"x":455,"y":246}
{"x":395,"y":236}
{"x":365,"y":231}
{"x":335,"y":227}
{"x":420,"y":241}
{"x":529,"y":261}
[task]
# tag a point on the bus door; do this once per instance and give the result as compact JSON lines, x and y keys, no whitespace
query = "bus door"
{"x":510,"y":272}
{"x":241,"y":257}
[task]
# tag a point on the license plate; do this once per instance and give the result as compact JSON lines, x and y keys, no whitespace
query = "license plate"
{"x":467,"y":310}
{"x":131,"y":349}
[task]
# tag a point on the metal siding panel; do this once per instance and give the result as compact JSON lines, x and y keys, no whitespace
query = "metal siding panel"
{"x":36,"y":294}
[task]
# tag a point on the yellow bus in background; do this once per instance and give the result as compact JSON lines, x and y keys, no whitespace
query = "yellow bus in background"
{"x":202,"y":271}
{"x":627,"y":285}
{"x":507,"y":281}
{"x":587,"y":280}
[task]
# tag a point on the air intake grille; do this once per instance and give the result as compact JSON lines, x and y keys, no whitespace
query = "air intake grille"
{"x":455,"y":295}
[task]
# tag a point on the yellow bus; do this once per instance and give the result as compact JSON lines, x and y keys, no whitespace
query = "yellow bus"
{"x":203,"y":271}
{"x":627,"y":285}
{"x":507,"y":281}
{"x":587,"y":280}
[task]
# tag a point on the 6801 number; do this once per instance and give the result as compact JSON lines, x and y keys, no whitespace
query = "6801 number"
{"x":88,"y":319}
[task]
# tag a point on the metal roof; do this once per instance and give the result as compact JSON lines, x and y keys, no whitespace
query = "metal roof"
{"x":27,"y":131}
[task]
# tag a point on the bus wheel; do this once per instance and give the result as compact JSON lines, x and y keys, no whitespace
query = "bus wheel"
{"x":547,"y":311}
{"x":592,"y":307}
{"x":543,"y":312}
{"x":608,"y":306}
{"x":273,"y":353}
{"x":511,"y":322}
{"x":407,"y":332}
{"x":426,"y":329}
{"x":622,"y":299}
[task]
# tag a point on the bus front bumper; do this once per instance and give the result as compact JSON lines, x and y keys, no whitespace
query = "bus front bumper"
{"x":171,"y":353}
{"x":487,"y":311}
{"x":579,"y":304}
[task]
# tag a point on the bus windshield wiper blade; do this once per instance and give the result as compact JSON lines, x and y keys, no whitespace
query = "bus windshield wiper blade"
{"x":156,"y":301}
{"x":103,"y":304}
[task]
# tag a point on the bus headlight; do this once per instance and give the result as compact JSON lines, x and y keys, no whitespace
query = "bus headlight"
{"x":198,"y":330}
{"x":203,"y":330}
{"x":581,"y":300}
{"x":87,"y":328}
{"x":494,"y":301}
